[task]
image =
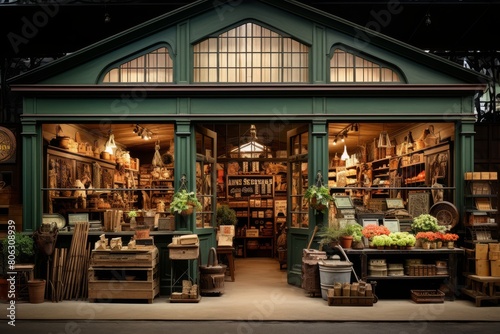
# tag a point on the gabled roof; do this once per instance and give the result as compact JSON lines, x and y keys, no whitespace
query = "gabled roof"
{"x":192,"y":10}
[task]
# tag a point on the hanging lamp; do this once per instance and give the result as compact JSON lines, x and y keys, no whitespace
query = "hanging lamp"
{"x":345,"y":155}
{"x":110,"y":145}
{"x":384,"y":140}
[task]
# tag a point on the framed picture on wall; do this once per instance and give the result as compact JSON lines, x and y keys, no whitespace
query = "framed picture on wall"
{"x":418,"y":203}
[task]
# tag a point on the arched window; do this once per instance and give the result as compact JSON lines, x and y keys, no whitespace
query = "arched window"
{"x":155,"y":67}
{"x":349,"y":67}
{"x":250,"y":53}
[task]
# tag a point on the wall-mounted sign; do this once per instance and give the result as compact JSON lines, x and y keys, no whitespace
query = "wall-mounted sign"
{"x":244,"y":186}
{"x":7,"y":146}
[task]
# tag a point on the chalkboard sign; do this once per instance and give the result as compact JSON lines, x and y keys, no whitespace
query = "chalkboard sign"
{"x":244,"y":186}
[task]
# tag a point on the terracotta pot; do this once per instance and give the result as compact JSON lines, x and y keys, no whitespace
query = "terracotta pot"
{"x":346,"y":241}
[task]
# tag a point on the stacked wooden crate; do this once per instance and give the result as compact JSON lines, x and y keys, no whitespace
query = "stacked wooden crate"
{"x":124,"y":274}
{"x":351,"y":294}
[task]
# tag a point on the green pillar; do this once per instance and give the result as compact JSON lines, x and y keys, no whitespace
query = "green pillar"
{"x":318,"y":162}
{"x":185,"y":165}
{"x":31,"y":176}
{"x":464,"y":162}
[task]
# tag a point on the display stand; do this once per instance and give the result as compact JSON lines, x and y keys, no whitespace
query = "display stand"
{"x":189,"y":253}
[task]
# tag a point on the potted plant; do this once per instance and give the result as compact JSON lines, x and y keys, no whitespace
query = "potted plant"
{"x":403,"y":240}
{"x":425,"y":222}
{"x":184,"y":202}
{"x":382,"y":241}
{"x":225,"y":215}
{"x":318,"y":197}
{"x":426,"y":238}
{"x":330,"y":235}
{"x":449,"y":239}
{"x":352,"y":231}
{"x":22,"y":245}
{"x":132,"y":214}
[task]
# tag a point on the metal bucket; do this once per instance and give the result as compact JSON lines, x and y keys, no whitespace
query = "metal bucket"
{"x":333,"y":271}
{"x":212,"y":275}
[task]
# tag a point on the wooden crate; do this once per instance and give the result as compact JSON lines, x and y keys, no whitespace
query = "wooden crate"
{"x":427,"y":296}
{"x":348,"y":301}
{"x":144,"y":257}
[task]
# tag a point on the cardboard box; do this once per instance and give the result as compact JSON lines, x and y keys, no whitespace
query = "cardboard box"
{"x":494,"y":247}
{"x":481,"y":252}
{"x":495,"y":268}
{"x":483,"y":267}
{"x":494,"y":255}
{"x":252,"y":232}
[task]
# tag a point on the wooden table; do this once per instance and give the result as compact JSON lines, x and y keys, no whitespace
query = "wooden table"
{"x":482,"y":288}
{"x":227,"y":251}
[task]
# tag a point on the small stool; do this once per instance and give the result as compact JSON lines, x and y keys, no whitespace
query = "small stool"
{"x":227,"y":251}
{"x":25,"y":272}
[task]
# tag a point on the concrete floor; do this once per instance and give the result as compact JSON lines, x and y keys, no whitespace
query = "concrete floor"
{"x":259,"y":294}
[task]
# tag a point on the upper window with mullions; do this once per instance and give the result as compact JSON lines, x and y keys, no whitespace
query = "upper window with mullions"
{"x":250,"y":53}
{"x":349,"y":67}
{"x":155,"y":67}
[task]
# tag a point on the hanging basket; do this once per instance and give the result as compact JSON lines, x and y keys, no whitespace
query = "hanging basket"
{"x":315,"y":205}
{"x":188,"y":211}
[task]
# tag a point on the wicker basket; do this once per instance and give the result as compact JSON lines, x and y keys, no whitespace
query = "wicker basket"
{"x":427,"y":296}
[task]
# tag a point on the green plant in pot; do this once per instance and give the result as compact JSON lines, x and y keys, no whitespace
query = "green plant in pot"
{"x":318,"y":197}
{"x":184,"y":202}
{"x":426,"y":223}
{"x":20,"y":245}
{"x":330,"y":235}
{"x":354,"y":230}
{"x":225,"y":215}
{"x":382,"y":241}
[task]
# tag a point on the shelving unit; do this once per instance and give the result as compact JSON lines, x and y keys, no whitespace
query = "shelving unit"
{"x":481,"y":191}
{"x":252,"y":197}
{"x":398,"y":256}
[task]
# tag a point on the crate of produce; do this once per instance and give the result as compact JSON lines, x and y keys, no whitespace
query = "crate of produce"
{"x":427,"y":296}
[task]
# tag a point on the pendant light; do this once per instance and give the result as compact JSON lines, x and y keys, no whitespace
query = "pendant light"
{"x":344,"y":155}
{"x":384,"y":140}
{"x":110,"y":144}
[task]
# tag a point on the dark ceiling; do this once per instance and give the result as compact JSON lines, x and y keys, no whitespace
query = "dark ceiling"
{"x":29,"y":30}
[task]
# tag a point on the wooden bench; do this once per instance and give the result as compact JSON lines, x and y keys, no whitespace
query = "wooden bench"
{"x":482,"y":288}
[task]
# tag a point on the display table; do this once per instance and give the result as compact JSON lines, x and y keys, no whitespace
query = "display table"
{"x":482,"y":288}
{"x":451,"y":256}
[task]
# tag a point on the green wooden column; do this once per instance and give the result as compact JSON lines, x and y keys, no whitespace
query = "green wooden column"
{"x":464,"y":162}
{"x":318,"y":163}
{"x":184,"y":164}
{"x":32,"y":169}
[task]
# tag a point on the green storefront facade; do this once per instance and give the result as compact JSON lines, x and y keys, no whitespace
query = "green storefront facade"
{"x":71,"y":90}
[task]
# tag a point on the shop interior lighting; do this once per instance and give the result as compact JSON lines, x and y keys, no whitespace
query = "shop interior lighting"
{"x":110,"y":145}
{"x":344,"y":133}
{"x":142,"y":132}
{"x":345,"y":155}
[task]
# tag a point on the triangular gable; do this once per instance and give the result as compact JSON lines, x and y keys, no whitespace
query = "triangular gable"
{"x":182,"y":27}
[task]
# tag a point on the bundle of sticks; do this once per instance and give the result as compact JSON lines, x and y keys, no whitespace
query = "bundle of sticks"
{"x":69,"y":267}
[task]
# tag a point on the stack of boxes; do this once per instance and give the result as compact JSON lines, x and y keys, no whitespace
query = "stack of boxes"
{"x":488,"y":259}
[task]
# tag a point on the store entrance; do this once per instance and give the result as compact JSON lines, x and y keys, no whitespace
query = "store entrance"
{"x":252,"y":181}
